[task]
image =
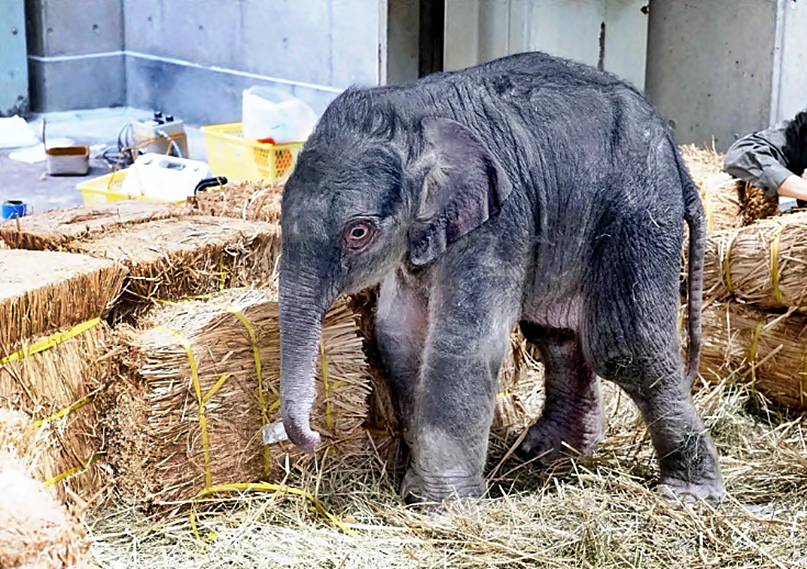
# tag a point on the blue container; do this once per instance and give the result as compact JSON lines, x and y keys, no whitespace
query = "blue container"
{"x":13,"y":209}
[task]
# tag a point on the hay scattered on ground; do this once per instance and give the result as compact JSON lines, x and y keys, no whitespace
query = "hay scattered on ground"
{"x":742,"y":343}
{"x":35,"y":530}
{"x":184,"y":257}
{"x":254,"y":201}
{"x":42,"y":292}
{"x":595,"y":513}
{"x":764,"y":264}
{"x":56,"y":387}
{"x":157,"y":440}
{"x":55,"y":229}
{"x":719,"y":191}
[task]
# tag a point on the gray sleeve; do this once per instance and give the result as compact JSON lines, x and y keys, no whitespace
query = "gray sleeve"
{"x":759,"y":159}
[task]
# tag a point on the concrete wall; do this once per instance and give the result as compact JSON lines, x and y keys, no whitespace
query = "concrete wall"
{"x":75,"y":55}
{"x":792,"y":85}
{"x":13,"y":65}
{"x":481,"y":30}
{"x":193,"y":58}
{"x":723,"y":69}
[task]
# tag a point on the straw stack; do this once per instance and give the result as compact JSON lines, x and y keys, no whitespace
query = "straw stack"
{"x":747,"y":344}
{"x":165,"y":449}
{"x":42,"y":292}
{"x":52,"y":349}
{"x":35,"y":530}
{"x":254,"y":201}
{"x":764,"y":264}
{"x":57,"y":228}
{"x":55,"y":388}
{"x":719,"y":191}
{"x":183,"y":257}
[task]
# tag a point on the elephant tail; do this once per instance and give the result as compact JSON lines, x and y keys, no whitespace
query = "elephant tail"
{"x":696,"y":220}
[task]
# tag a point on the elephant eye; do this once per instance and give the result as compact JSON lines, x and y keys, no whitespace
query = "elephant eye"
{"x":358,"y":234}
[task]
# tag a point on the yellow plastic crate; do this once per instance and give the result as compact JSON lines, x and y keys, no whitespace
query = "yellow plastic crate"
{"x":108,"y":189}
{"x":243,"y":160}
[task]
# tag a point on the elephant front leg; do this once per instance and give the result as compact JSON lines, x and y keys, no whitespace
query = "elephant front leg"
{"x":454,"y":405}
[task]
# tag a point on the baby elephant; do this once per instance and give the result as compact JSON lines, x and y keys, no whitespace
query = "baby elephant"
{"x":528,"y":189}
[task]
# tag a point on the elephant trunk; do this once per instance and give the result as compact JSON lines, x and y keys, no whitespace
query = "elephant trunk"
{"x":301,"y":317}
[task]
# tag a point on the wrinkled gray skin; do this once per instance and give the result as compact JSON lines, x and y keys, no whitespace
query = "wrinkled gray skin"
{"x":529,"y":189}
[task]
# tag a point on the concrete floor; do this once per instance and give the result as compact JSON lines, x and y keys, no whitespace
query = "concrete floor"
{"x":30,"y":182}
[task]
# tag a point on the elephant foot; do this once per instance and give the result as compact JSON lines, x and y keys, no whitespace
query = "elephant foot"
{"x":690,"y":493}
{"x":418,"y":489}
{"x":549,"y":440}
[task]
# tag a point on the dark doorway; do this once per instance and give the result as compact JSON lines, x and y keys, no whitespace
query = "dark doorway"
{"x":431,"y":33}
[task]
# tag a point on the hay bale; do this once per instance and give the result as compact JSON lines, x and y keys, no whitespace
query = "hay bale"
{"x":719,"y":191}
{"x":184,"y":257}
{"x":35,"y":530}
{"x":747,"y":344}
{"x":254,"y":201}
{"x":741,"y":263}
{"x":41,"y":292}
{"x":156,"y":443}
{"x":755,"y":205}
{"x":55,"y":229}
{"x":55,"y":387}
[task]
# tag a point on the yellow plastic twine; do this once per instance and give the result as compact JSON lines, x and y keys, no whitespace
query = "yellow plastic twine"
{"x":256,"y":354}
{"x":202,"y":399}
{"x":803,"y":391}
{"x":94,"y":457}
{"x":752,"y":353}
{"x":50,"y":342}
{"x":74,"y":407}
{"x":272,"y":489}
{"x":727,"y":265}
{"x":777,"y":294}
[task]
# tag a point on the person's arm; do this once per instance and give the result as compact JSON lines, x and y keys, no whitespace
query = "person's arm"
{"x":794,"y":187}
{"x":759,"y":160}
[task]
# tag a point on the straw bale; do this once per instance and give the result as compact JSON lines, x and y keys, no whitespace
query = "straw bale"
{"x":743,"y":343}
{"x":740,"y":262}
{"x":719,"y":191}
{"x":254,"y":201}
{"x":155,"y":437}
{"x":755,"y":205}
{"x":41,"y":292}
{"x":184,"y":257}
{"x":55,"y":229}
{"x":51,"y":381}
{"x":35,"y":530}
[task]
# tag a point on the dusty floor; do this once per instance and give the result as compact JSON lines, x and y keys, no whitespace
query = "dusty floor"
{"x":30,"y":183}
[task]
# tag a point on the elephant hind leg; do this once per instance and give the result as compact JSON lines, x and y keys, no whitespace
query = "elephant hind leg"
{"x":572,"y":422}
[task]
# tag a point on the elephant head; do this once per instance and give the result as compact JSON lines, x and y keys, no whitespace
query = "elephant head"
{"x":374,"y":188}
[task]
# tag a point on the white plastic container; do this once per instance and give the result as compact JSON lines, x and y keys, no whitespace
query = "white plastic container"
{"x":273,"y":114}
{"x":165,"y":178}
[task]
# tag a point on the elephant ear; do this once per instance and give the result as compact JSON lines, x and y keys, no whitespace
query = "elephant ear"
{"x":464,"y":186}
